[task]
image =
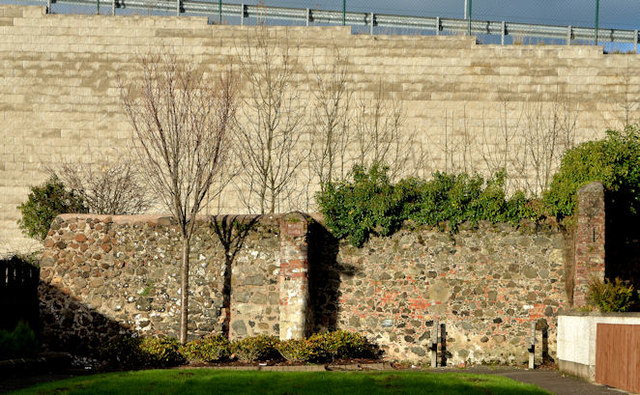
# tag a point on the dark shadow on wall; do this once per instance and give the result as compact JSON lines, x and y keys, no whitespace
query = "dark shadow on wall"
{"x":232,"y":231}
{"x":18,"y":293}
{"x":325,"y":274}
{"x":71,"y":326}
{"x":622,"y":242}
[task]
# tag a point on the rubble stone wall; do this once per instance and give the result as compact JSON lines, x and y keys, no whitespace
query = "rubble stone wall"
{"x":486,"y":284}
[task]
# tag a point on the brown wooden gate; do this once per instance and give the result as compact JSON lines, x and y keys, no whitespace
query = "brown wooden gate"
{"x":618,"y":356}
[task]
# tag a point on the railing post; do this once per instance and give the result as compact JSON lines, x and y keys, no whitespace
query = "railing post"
{"x":308,"y":16}
{"x":113,"y":7}
{"x":595,"y":33}
{"x":344,"y":12}
{"x":242,"y":12}
{"x":48,"y":6}
{"x":97,"y":7}
{"x":372,"y":16}
{"x":569,"y":31}
{"x":177,"y":7}
{"x":437,"y":26}
{"x":219,"y":12}
{"x":503,"y":32}
{"x":635,"y":41}
{"x":469,"y":8}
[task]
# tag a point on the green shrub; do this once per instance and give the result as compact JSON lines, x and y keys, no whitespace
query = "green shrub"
{"x":297,"y":350}
{"x":255,"y":348}
{"x":123,"y":352}
{"x":211,"y":348}
{"x":331,"y":346}
{"x":161,"y":352}
{"x":364,"y":204}
{"x":19,"y":343}
{"x":43,"y":204}
{"x":128,"y":352}
{"x":458,"y":198}
{"x":609,"y":296}
{"x":368,"y":203}
{"x":614,"y":161}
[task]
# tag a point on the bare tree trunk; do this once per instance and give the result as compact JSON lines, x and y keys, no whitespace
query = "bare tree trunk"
{"x":184,"y":290}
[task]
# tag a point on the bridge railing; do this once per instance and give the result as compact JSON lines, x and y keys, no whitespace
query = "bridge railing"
{"x":251,"y":14}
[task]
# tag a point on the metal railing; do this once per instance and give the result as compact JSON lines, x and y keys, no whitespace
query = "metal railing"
{"x":436,"y":25}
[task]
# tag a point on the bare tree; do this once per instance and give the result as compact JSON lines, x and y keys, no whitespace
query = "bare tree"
{"x":379,"y":135}
{"x":626,"y":102}
{"x":547,"y":131}
{"x":457,"y":143}
{"x":498,"y":148}
{"x":182,"y":119}
{"x":113,"y":187}
{"x":272,"y":117}
{"x":330,"y":129}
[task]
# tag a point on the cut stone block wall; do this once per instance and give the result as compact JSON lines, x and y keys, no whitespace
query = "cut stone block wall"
{"x":59,"y":96}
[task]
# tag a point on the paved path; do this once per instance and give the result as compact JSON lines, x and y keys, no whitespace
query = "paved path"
{"x":550,"y":380}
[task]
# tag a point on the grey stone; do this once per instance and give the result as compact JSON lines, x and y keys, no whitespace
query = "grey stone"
{"x":239,"y":328}
{"x":419,"y":351}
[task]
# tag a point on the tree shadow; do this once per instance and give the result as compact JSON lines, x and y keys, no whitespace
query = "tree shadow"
{"x":232,"y":231}
{"x":325,"y":274}
{"x":71,"y":326}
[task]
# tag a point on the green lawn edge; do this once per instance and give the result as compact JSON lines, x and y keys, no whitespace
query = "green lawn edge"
{"x":208,"y":381}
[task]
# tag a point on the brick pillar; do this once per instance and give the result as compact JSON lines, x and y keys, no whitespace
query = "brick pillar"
{"x":293,"y":279}
{"x":589,"y":248}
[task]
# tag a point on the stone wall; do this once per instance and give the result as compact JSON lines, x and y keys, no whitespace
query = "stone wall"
{"x":106,"y":275}
{"x":59,"y":97}
{"x":249,"y":276}
{"x":485,"y":285}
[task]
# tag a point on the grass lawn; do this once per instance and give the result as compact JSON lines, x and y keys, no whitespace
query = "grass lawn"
{"x":206,"y":381}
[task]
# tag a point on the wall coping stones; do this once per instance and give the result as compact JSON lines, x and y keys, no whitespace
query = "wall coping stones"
{"x":570,"y":313}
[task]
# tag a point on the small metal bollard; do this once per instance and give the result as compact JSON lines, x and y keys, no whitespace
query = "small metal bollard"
{"x":434,"y":345}
{"x":532,"y":347}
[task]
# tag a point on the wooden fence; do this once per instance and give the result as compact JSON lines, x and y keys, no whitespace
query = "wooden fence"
{"x":18,"y":293}
{"x":618,"y":356}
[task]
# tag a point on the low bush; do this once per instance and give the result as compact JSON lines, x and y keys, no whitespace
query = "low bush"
{"x":123,"y":352}
{"x":331,"y":346}
{"x":297,"y":350}
{"x":21,"y":342}
{"x":161,"y":352}
{"x":211,"y":348}
{"x":43,"y":204}
{"x":609,"y":296}
{"x":128,"y":352}
{"x":255,"y":348}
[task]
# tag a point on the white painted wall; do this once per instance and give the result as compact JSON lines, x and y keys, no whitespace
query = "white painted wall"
{"x":577,"y":336}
